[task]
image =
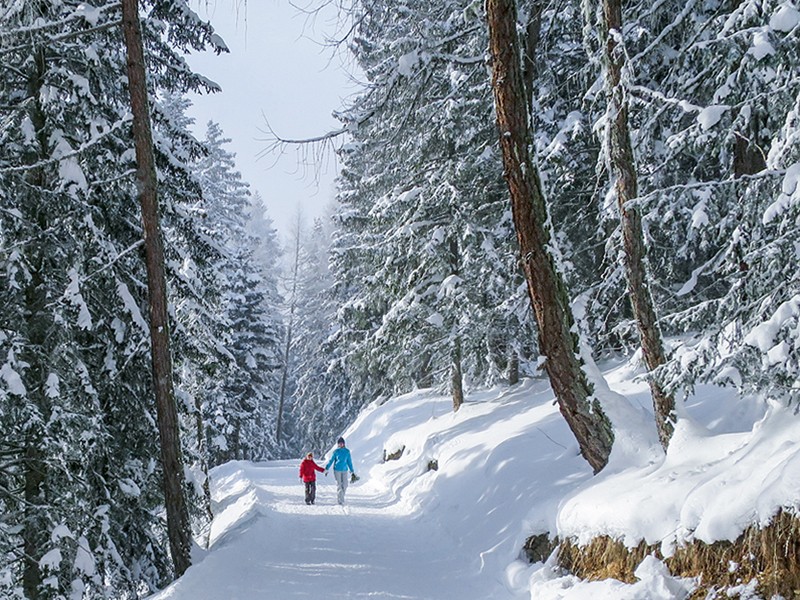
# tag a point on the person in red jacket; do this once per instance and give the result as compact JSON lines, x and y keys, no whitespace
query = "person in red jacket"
{"x":308,"y":473}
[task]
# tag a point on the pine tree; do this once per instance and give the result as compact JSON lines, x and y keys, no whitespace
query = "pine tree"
{"x":716,"y":190}
{"x":82,"y":475}
{"x":423,"y":223}
{"x":243,"y":408}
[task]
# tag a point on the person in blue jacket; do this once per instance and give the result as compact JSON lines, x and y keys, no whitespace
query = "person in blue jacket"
{"x":342,"y":463}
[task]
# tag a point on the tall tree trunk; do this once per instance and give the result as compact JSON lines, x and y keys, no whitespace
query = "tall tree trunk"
{"x":546,"y":289}
{"x":623,"y":169}
{"x":533,"y":32}
{"x":178,"y":526}
{"x":202,"y":449}
{"x":424,"y":377}
{"x":513,"y":367}
{"x":38,"y":323}
{"x":748,"y":159}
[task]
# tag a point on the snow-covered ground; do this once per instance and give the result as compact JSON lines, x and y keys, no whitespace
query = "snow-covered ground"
{"x":508,"y":468}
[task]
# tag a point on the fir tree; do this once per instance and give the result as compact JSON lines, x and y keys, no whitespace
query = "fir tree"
{"x":82,"y":474}
{"x":242,"y":409}
{"x":423,"y":226}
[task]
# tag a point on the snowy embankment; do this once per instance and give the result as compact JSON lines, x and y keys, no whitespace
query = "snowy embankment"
{"x":507,"y":468}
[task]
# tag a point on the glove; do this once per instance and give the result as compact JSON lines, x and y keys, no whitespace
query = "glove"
{"x":354,"y":478}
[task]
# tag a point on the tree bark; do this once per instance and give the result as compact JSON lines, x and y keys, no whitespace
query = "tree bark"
{"x":424,"y":376}
{"x":546,"y":289}
{"x":202,"y":449}
{"x":38,"y":324}
{"x":623,"y":170}
{"x":532,"y":35}
{"x":456,"y":376}
{"x":178,"y":526}
{"x":513,"y":368}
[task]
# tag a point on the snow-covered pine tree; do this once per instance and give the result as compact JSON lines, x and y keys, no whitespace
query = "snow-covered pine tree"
{"x":424,"y":252}
{"x":241,"y":411}
{"x":716,"y":102}
{"x":81,"y":475}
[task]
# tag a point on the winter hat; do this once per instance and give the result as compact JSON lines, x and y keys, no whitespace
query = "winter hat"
{"x":340,"y":441}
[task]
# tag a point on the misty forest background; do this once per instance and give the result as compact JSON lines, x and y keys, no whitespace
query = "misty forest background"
{"x":412,"y":280}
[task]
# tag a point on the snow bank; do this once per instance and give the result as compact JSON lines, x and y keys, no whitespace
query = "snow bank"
{"x":508,"y":468}
{"x":502,"y":453}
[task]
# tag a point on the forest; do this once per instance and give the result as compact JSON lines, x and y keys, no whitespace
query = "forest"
{"x":525,"y":188}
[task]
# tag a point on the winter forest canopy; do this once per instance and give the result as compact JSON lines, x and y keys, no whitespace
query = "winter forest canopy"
{"x":524,"y":189}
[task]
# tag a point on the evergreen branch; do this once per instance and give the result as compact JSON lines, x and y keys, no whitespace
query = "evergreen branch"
{"x":64,"y":37}
{"x":144,"y":341}
{"x":52,"y":161}
{"x":103,"y":182}
{"x":53,"y":24}
{"x":9,"y":494}
{"x":12,"y":211}
{"x":459,"y":60}
{"x":110,"y":264}
{"x":457,"y":36}
{"x":766,"y":173}
{"x":687,"y":10}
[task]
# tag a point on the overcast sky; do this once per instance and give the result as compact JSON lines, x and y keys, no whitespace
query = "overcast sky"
{"x":277,"y":69}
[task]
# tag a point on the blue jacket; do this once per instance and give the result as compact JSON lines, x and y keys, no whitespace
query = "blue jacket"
{"x":341,"y":461}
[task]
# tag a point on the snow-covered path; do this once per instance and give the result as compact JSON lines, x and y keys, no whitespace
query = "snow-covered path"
{"x":268,"y":544}
{"x":507,"y":467}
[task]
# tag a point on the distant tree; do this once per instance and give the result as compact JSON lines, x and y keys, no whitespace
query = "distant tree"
{"x":292,"y":291}
{"x":319,"y":411}
{"x":243,"y":405}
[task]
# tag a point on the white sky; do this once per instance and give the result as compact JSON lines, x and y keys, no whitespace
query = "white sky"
{"x":277,"y":68}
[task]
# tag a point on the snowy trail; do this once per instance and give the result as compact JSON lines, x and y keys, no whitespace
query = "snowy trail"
{"x":267,"y":544}
{"x":507,"y":467}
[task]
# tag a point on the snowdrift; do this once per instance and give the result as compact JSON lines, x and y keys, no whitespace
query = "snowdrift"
{"x":508,"y":468}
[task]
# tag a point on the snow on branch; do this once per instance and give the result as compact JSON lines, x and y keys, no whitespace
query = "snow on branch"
{"x":687,"y":10}
{"x":62,"y":157}
{"x":767,"y":173}
{"x":84,"y":15}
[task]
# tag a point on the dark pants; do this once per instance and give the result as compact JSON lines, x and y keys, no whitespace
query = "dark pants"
{"x":311,"y":491}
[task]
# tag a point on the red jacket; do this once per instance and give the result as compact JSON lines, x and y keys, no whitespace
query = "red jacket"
{"x":308,"y":470}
